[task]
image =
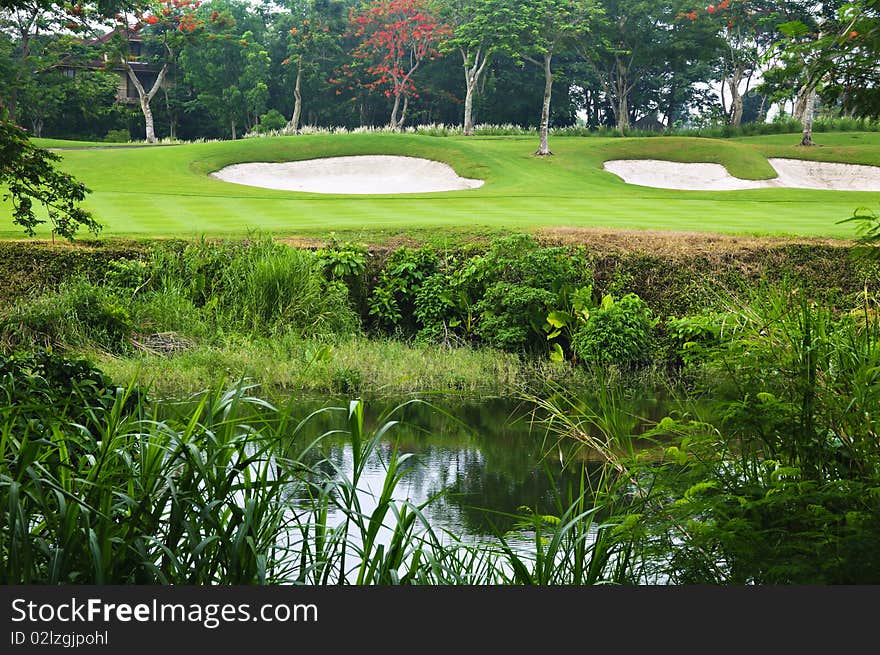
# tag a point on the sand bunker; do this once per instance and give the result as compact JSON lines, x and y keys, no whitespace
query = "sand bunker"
{"x":792,"y":173}
{"x":356,"y":175}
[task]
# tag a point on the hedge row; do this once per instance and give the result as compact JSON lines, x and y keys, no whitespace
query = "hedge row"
{"x":671,"y":281}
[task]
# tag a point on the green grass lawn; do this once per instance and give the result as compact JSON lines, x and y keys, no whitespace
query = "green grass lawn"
{"x":166,"y":191}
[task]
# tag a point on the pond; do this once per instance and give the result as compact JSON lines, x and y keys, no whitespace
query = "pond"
{"x":480,"y":460}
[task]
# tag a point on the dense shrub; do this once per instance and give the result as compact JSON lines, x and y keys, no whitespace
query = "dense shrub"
{"x":29,"y":268}
{"x":776,"y":481}
{"x":273,"y":120}
{"x":80,"y":313}
{"x":32,"y":381}
{"x":393,"y":299}
{"x":617,"y":332}
{"x":506,"y":293}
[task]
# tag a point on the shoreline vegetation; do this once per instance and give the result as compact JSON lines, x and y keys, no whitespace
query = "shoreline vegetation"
{"x":764,"y":469}
{"x":174,"y":337}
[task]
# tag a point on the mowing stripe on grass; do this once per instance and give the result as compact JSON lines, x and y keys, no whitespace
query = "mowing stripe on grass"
{"x":165,"y":191}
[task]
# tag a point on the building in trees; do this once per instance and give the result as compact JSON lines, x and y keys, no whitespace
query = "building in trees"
{"x":126,"y":92}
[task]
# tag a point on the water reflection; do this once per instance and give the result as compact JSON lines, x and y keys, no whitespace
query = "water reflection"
{"x":481,"y":460}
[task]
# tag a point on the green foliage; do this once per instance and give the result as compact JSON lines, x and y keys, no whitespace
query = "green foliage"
{"x":514,"y":286}
{"x":126,"y":275}
{"x":343,"y":261}
{"x":29,"y":178}
{"x":260,"y":288}
{"x":511,"y":314}
{"x":78,"y":314}
{"x":691,"y":336}
{"x":616,"y":333}
{"x":271,"y":121}
{"x":778,"y":484}
{"x":392,"y":301}
{"x":272,"y":288}
{"x":434,"y":308}
{"x":868,"y":225}
{"x":31,"y":268}
{"x":33,"y":381}
{"x":117,"y":136}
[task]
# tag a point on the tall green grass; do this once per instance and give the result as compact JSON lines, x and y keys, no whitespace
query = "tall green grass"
{"x":229,"y":489}
{"x":260,"y":287}
{"x":768,"y":470}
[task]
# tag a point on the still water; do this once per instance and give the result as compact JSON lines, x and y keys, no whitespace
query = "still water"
{"x":480,"y":460}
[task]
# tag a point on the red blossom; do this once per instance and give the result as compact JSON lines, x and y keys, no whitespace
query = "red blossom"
{"x":396,"y":36}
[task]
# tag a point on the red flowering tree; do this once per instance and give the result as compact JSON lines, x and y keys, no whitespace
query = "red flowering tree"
{"x":395,"y":37}
{"x":167,"y":23}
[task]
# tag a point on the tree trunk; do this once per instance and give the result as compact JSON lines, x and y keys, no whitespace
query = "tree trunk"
{"x":37,"y":124}
{"x":145,"y":97}
{"x":393,"y":122}
{"x":232,"y":125}
{"x":293,"y":124}
{"x":172,"y":118}
{"x":622,"y":104}
{"x":472,"y":75}
{"x":622,"y":114}
{"x":544,"y":147}
{"x":468,"y":125}
{"x":13,"y":104}
{"x":807,"y":120}
{"x":800,"y":105}
{"x":24,"y":34}
{"x":148,"y":119}
{"x":670,"y":110}
{"x":402,"y":118}
{"x":736,"y":101}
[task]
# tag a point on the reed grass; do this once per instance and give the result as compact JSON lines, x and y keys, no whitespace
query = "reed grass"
{"x":227,"y":488}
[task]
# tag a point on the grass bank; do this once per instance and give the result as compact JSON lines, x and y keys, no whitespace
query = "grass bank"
{"x":355,"y":365}
{"x":347,"y":319}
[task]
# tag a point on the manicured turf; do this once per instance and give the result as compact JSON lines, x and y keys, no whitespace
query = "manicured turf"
{"x":166,"y":191}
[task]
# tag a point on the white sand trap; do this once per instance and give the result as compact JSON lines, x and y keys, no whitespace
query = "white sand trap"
{"x":356,"y":175}
{"x":792,"y":173}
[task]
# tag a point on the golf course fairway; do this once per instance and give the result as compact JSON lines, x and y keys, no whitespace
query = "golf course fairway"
{"x":167,"y":191}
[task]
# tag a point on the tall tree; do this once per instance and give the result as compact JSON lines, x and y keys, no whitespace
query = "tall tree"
{"x":748,"y":28}
{"x":62,"y":84}
{"x":480,"y":30}
{"x":550,"y":24}
{"x":810,"y":51}
{"x":228,"y":68}
{"x":314,"y":37}
{"x":626,"y":43}
{"x":854,"y":77}
{"x":396,"y":36}
{"x":166,"y":26}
